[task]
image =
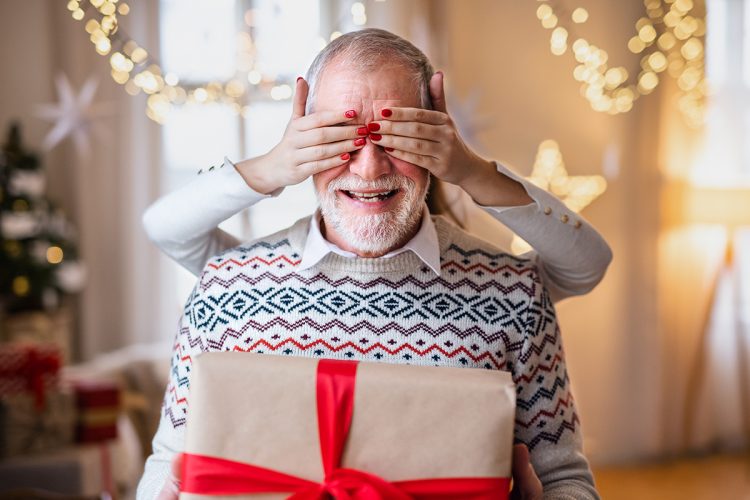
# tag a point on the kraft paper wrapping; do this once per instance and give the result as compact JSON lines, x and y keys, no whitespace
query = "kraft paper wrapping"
{"x":409,"y":421}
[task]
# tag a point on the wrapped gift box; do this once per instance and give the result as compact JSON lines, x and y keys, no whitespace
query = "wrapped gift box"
{"x":98,"y":407}
{"x":262,"y":426}
{"x":26,"y":428}
{"x":28,"y":369}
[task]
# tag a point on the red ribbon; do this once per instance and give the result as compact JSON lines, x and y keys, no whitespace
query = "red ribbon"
{"x":33,"y":368}
{"x":335,"y":397}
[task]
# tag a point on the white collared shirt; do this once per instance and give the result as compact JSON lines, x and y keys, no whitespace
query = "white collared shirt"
{"x":424,"y":244}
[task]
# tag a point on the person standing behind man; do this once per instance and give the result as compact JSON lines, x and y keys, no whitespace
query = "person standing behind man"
{"x":371,"y":275}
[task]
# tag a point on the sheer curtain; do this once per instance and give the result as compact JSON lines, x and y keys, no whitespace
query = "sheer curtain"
{"x":108,"y":193}
{"x":703,"y":279}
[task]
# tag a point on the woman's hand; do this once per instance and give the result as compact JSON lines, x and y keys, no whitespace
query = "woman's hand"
{"x":428,"y":138}
{"x":310,"y":144}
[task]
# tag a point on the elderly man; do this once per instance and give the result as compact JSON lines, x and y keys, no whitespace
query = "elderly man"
{"x":372,"y":275}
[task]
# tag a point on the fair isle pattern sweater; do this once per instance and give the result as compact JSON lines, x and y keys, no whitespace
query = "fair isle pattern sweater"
{"x":486,"y":310}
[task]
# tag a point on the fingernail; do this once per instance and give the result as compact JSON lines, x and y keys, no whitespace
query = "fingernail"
{"x":359,"y":142}
{"x":350,"y":114}
{"x":345,"y":156}
{"x":386,"y":112}
{"x":299,"y":78}
{"x":362,"y":131}
{"x":375,"y":137}
{"x":388,"y":149}
{"x":373,"y":126}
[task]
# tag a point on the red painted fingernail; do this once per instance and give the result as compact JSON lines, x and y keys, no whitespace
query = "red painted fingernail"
{"x":345,"y":156}
{"x":386,"y":112}
{"x":388,"y":149}
{"x":373,"y":127}
{"x":299,"y":78}
{"x":375,"y":137}
{"x":350,"y":114}
{"x":362,"y":131}
{"x":359,"y":142}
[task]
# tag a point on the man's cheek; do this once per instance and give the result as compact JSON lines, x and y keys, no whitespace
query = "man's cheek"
{"x":321,"y":179}
{"x":410,"y":170}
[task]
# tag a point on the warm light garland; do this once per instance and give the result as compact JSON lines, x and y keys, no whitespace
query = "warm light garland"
{"x":549,"y":173}
{"x":671,"y":39}
{"x":133,"y":67}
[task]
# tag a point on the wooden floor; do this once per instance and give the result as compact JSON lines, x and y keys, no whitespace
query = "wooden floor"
{"x":710,"y":478}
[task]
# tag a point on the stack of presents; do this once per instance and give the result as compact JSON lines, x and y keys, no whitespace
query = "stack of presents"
{"x":43,"y":415}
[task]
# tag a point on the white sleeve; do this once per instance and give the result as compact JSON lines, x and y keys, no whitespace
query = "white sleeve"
{"x":183,"y":223}
{"x":572,"y":256}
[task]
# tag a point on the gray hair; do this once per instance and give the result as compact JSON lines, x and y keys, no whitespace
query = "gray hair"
{"x":366,"y":49}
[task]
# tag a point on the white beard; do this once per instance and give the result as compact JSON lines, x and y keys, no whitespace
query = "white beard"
{"x":375,"y":233}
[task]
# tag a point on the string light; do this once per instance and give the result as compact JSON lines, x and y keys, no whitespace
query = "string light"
{"x":54,"y":255}
{"x":133,"y":67}
{"x":21,"y":286}
{"x":670,"y":38}
{"x":580,"y":15}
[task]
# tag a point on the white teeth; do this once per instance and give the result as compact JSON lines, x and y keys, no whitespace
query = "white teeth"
{"x":368,"y":195}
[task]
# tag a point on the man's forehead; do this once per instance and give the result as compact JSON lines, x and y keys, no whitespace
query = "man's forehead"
{"x":366,"y":90}
{"x":364,"y":103}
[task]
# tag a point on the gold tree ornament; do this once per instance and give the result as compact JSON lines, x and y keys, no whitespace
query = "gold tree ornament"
{"x":549,"y":173}
{"x":670,"y":38}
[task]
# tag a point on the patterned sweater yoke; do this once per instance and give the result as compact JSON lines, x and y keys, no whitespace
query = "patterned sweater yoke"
{"x":486,"y":310}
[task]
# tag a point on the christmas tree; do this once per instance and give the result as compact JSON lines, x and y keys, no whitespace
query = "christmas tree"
{"x":38,"y":258}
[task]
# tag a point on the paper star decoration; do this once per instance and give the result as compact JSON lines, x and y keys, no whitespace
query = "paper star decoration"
{"x":73,"y":115}
{"x":549,"y":173}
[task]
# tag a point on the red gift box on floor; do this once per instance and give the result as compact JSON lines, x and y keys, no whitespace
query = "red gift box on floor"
{"x":98,"y":406}
{"x":266,"y":426}
{"x":29,"y":369}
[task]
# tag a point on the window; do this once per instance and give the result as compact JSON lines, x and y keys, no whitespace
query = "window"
{"x":205,"y":41}
{"x":725,"y":160}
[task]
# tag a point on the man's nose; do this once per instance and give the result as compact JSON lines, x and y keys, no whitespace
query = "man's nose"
{"x":370,"y":162}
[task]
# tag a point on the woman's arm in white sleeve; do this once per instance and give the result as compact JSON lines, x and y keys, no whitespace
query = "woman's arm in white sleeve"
{"x":183,"y":223}
{"x":571,"y":254}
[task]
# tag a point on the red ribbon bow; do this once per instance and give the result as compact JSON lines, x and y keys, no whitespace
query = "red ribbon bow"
{"x":335,"y":397}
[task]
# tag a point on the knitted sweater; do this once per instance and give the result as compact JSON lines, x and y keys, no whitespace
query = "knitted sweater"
{"x":487,"y":309}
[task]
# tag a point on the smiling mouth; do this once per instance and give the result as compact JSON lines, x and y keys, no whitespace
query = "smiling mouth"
{"x":370,"y":197}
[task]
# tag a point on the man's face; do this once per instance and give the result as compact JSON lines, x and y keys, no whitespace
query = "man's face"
{"x":370,"y":226}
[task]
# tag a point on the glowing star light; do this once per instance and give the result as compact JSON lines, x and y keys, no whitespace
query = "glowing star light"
{"x":549,"y":173}
{"x":73,"y":115}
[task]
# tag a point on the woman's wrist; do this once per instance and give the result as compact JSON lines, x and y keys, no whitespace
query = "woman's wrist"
{"x":488,"y":187}
{"x":253,"y":171}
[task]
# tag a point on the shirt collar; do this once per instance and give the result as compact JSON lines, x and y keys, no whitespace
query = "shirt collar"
{"x":424,"y":244}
